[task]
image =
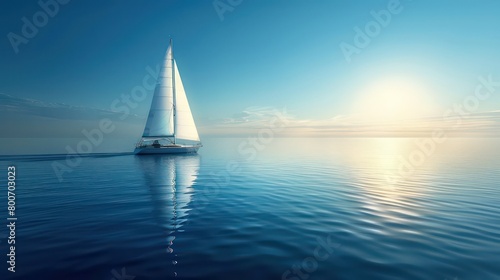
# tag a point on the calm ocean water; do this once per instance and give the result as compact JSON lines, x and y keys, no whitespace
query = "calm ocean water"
{"x":288,"y":209}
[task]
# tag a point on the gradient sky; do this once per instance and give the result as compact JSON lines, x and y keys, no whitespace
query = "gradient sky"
{"x":280,"y":53}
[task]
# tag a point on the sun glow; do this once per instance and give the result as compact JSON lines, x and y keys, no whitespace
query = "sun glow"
{"x":394,"y":99}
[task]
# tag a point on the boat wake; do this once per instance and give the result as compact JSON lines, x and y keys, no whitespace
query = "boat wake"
{"x":44,"y":157}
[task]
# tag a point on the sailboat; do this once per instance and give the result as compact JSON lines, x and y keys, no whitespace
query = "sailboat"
{"x":170,"y":128}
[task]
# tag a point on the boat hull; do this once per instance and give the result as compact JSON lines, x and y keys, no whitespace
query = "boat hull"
{"x":166,"y":150}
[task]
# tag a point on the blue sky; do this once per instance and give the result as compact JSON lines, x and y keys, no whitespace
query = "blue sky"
{"x":281,"y":53}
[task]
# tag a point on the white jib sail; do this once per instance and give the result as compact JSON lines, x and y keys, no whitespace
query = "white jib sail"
{"x":160,"y":121}
{"x":185,"y":128}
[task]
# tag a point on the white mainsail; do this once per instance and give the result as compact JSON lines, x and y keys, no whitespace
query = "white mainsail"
{"x":160,"y":121}
{"x":185,"y":128}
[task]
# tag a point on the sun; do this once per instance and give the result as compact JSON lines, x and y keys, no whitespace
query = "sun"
{"x":394,"y":99}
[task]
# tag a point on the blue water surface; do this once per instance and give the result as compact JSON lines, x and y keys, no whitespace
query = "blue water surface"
{"x":275,"y":209}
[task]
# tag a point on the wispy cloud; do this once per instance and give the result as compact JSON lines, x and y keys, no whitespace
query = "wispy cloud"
{"x":30,"y":107}
{"x":255,"y":118}
{"x":29,"y":118}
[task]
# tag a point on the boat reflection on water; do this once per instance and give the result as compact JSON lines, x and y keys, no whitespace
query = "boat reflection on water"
{"x":170,"y":179}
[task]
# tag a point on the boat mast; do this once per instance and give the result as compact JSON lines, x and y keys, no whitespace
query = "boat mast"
{"x":173,"y":86}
